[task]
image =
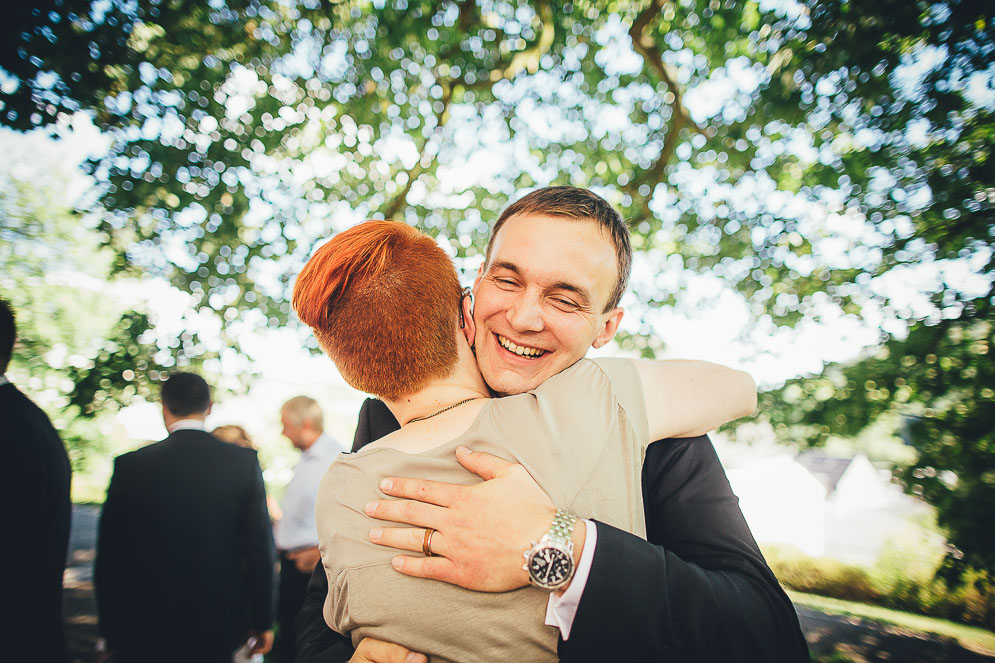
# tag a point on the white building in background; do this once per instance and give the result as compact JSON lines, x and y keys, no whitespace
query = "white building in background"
{"x":843,"y":508}
{"x":782,"y":502}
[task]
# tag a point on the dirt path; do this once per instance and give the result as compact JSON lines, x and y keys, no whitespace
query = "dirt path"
{"x":862,"y":640}
{"x":78,"y":604}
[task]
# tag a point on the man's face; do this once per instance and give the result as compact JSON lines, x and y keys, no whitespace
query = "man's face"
{"x":539,"y":300}
{"x":291,"y":431}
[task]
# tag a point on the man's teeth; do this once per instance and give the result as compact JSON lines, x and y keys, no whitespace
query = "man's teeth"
{"x":519,"y":349}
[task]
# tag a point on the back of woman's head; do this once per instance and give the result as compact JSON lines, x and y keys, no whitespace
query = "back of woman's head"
{"x":382,"y":299}
{"x":234,"y":435}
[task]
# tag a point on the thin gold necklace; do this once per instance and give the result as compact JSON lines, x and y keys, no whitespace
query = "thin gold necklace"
{"x":445,"y":409}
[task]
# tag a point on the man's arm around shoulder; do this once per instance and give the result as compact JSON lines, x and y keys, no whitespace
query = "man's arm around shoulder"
{"x":316,"y":643}
{"x":698,"y":590}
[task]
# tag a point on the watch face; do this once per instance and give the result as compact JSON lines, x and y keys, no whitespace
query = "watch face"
{"x":550,"y":567}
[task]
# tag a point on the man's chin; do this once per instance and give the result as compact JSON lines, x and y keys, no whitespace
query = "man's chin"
{"x":507,"y":381}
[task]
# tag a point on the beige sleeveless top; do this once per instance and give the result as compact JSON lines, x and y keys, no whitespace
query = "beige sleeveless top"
{"x":582,"y":435}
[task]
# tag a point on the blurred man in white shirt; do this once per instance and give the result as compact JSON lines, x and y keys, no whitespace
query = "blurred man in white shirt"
{"x":295,"y":532}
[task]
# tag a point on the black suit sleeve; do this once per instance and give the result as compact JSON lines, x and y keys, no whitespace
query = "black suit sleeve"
{"x":110,"y":575}
{"x":259,"y":552}
{"x":316,"y":643}
{"x":697,"y":590}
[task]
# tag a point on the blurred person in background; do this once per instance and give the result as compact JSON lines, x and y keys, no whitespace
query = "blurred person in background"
{"x":34,"y":490}
{"x":295,"y":531}
{"x":184,"y":568}
{"x":238,"y":435}
{"x":233,"y":434}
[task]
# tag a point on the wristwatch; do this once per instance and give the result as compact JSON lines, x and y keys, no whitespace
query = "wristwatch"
{"x":550,"y":560}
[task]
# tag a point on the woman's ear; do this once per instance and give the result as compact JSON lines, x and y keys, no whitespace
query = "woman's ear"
{"x":466,"y":316}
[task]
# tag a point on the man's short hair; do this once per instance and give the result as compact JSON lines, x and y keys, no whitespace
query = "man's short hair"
{"x":186,"y":393}
{"x":572,"y":202}
{"x":304,"y":409}
{"x":383,"y":300}
{"x":8,"y":333}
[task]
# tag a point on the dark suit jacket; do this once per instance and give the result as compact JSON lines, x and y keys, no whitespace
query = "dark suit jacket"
{"x":698,"y":591}
{"x":34,"y":492}
{"x":185,"y":551}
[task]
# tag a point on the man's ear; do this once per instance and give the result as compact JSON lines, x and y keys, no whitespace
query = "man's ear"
{"x":469,"y":328}
{"x":612,"y":320}
{"x":480,"y":275}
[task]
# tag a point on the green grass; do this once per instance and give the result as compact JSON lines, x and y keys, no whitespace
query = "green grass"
{"x":970,"y":637}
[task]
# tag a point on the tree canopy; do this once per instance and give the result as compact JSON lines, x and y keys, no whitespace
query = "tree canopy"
{"x":811,"y":154}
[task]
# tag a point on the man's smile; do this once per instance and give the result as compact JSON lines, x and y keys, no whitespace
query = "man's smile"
{"x":520,"y":350}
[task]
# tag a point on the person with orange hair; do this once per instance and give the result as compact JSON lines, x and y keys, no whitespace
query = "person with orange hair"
{"x":385,"y":303}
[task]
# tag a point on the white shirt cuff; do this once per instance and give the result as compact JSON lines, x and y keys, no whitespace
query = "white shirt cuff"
{"x":562,"y":608}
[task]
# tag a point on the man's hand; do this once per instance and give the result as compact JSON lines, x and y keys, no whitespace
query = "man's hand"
{"x":481,"y":530}
{"x":305,"y":559}
{"x":264,"y":641}
{"x":377,"y":651}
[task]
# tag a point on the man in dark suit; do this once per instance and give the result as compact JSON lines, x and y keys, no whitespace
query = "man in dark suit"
{"x":185,"y":555}
{"x":698,"y":590}
{"x":34,"y":491}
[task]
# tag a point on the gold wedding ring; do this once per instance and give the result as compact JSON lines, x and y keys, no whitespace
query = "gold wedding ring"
{"x":426,"y":543}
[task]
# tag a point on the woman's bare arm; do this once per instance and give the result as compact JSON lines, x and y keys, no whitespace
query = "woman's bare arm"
{"x":687,"y":398}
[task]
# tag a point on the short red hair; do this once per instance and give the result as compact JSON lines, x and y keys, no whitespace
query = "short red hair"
{"x":382,"y":299}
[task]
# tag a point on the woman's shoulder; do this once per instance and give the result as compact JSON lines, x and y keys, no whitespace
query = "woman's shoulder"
{"x":349,"y":472}
{"x":627,"y":386}
{"x":621,"y":372}
{"x":582,"y":392}
{"x":605,"y":373}
{"x":583,"y":370}
{"x":597,"y":383}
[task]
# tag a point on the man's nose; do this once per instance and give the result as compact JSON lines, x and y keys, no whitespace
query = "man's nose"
{"x":525,"y":313}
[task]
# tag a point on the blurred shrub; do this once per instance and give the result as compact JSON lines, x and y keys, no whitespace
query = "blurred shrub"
{"x":825,"y":577}
{"x":897,"y":580}
{"x":977,"y":595}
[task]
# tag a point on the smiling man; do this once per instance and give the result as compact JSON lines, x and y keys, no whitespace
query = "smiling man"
{"x":547,"y":292}
{"x":697,"y":590}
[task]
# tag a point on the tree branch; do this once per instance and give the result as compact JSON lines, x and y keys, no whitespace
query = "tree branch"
{"x":530,"y":57}
{"x":527,"y":59}
{"x":441,"y":117}
{"x":644,"y":44}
